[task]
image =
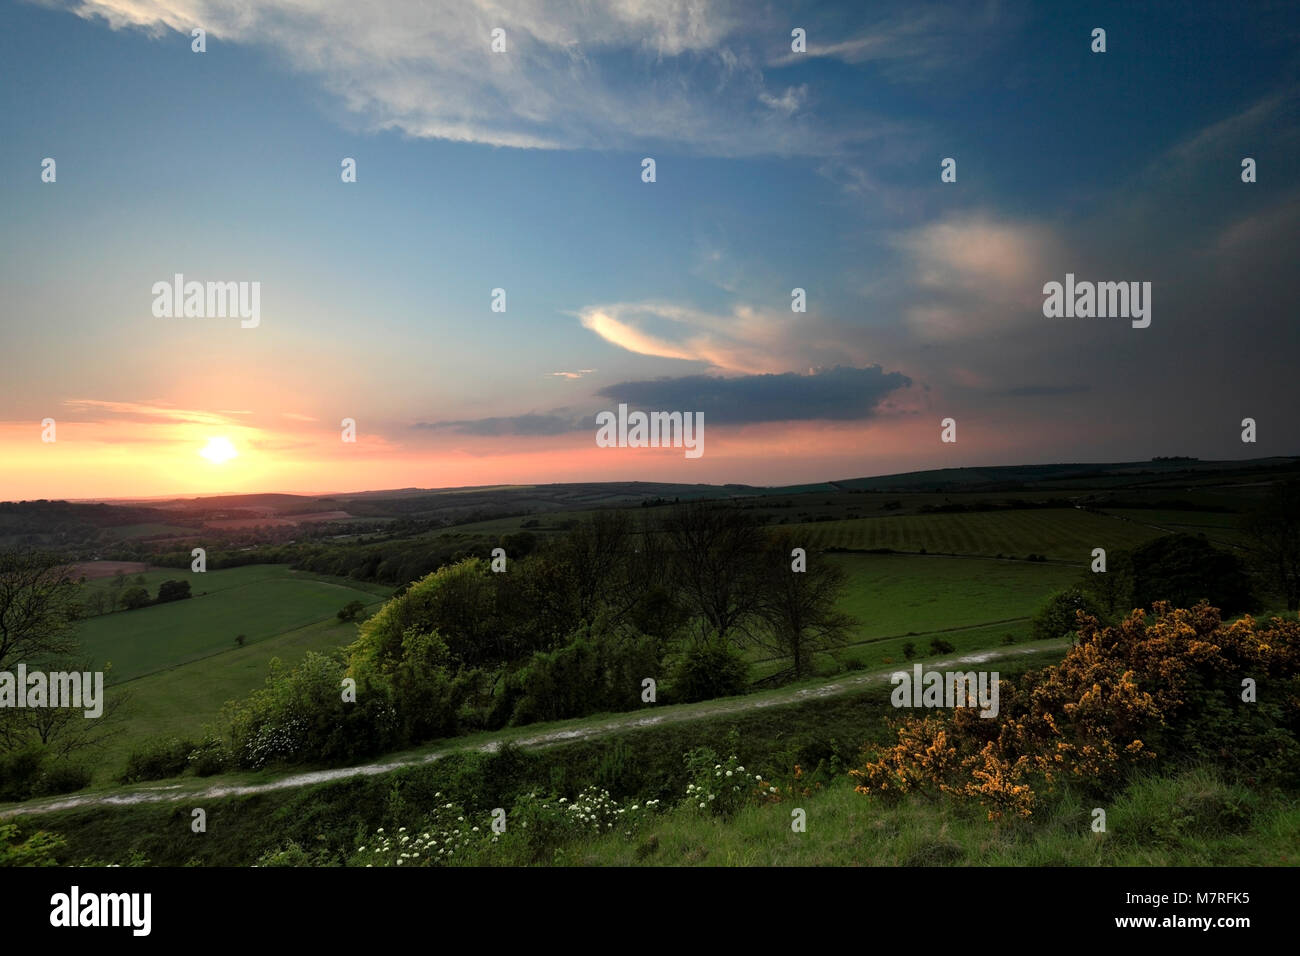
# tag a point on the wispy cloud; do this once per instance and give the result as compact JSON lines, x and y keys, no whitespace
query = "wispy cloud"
{"x":916,"y":41}
{"x":557,"y":422}
{"x":746,"y":339}
{"x":151,"y":412}
{"x":574,"y":74}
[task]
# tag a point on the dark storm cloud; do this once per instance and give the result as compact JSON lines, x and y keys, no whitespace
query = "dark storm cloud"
{"x":840,"y":393}
{"x":1037,"y":391}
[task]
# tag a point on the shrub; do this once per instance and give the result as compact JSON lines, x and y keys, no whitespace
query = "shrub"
{"x":37,"y":850}
{"x":1184,"y":569}
{"x":1059,"y":617}
{"x":173,"y":591}
{"x":719,"y":787}
{"x":426,"y":695}
{"x":157,"y":760}
{"x":939,"y":646}
{"x":909,"y":650}
{"x":62,"y":777}
{"x":589,"y":674}
{"x":134,"y":598}
{"x":209,"y":757}
{"x":1170,"y":686}
{"x":19,"y":773}
{"x":709,"y":670}
{"x":300,"y":715}
{"x":350,"y":611}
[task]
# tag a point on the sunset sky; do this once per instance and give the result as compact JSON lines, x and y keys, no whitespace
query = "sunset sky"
{"x":522,"y":170}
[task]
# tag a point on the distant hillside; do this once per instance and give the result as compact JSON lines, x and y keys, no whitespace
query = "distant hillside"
{"x":92,"y":530}
{"x":1091,"y":474}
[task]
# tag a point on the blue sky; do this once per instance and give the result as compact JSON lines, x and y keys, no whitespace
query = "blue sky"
{"x":521,"y":170}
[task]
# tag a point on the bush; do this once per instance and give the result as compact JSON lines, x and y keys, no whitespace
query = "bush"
{"x":588,"y":675}
{"x":37,"y":850}
{"x":173,"y":591}
{"x":209,"y":757}
{"x":719,"y":787}
{"x":939,"y":646}
{"x":909,"y":650}
{"x":1168,"y":687}
{"x":159,"y":759}
{"x":1184,"y":569}
{"x":426,"y":695}
{"x":1058,"y":617}
{"x":62,"y":777}
{"x":707,"y":671}
{"x":19,"y":772}
{"x":351,"y":611}
{"x":300,"y":716}
{"x":134,"y":598}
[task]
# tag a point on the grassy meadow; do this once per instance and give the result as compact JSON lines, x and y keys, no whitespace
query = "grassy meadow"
{"x":177,"y":664}
{"x":259,"y":601}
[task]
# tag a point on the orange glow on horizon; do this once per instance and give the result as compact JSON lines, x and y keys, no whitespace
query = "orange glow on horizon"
{"x":134,"y":459}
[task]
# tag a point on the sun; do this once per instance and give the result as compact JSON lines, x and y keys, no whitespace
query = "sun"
{"x":219,"y":451}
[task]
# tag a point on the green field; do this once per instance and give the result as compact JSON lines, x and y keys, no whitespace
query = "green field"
{"x":180,"y":701}
{"x":889,"y":651}
{"x":896,"y":594}
{"x":152,"y":578}
{"x":1222,"y":528}
{"x":258,"y":601}
{"x":971,"y":603}
{"x":1061,"y":534}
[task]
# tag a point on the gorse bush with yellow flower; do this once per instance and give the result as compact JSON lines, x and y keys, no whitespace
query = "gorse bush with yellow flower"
{"x":1166,"y":687}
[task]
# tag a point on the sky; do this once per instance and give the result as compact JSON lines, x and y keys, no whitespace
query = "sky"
{"x":775,"y":169}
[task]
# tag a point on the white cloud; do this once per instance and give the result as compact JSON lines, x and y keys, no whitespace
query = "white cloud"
{"x":787,"y":102}
{"x":615,"y":74}
{"x":747,"y":339}
{"x":977,"y":273}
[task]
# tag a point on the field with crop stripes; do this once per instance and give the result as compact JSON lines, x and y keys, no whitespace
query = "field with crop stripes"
{"x":1064,"y":534}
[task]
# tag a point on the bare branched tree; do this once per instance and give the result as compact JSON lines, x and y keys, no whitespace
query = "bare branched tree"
{"x":37,"y":608}
{"x":800,"y":607}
